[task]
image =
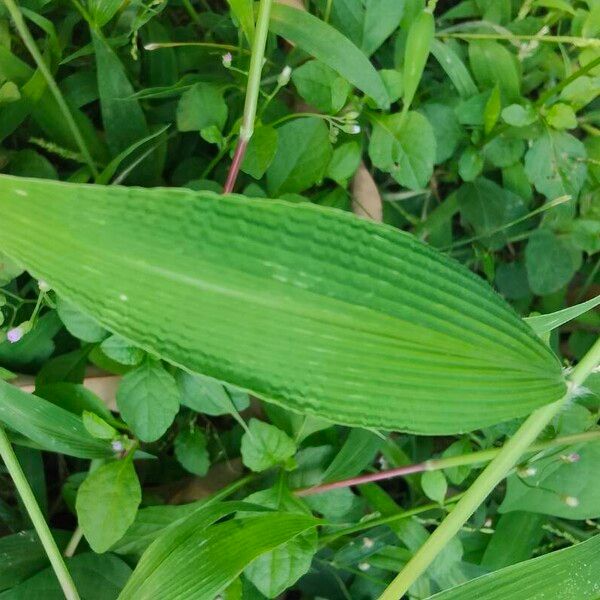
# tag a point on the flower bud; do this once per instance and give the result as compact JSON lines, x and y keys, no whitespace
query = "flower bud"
{"x":227,"y":59}
{"x":284,"y":76}
{"x":572,"y":457}
{"x":43,"y":285}
{"x":117,"y":446}
{"x":571,"y":501}
{"x":526,"y":471}
{"x":364,"y":566}
{"x":16,"y":333}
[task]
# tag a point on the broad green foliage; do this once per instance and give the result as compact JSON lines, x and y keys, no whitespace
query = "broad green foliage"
{"x":213,"y":387}
{"x":480,"y":337}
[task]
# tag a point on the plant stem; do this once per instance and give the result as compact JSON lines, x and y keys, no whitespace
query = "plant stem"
{"x":473,"y":458}
{"x":488,"y":480}
{"x":252,"y":92}
{"x":30,"y":44}
{"x":37,"y":518}
{"x":578,"y":42}
{"x":398,"y":516}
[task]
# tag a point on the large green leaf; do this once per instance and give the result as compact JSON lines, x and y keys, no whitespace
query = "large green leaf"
{"x":51,"y":427}
{"x":331,"y":47}
{"x":310,"y":308}
{"x":569,"y":574}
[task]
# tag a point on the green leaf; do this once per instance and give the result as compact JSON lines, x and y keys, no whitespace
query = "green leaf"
{"x":120,"y":350}
{"x":191,"y":452}
{"x":419,"y":331}
{"x":78,"y":324}
{"x":8,"y":270}
{"x":404,"y":145}
{"x":519,"y":116}
{"x":542,"y":324}
{"x":123,"y":119}
{"x":274,"y":572}
{"x":493,"y":65}
{"x":303,"y":152}
{"x":489,"y":209}
{"x":446,"y":129}
{"x":102,"y":11}
{"x":344,"y":162}
{"x":148,"y":400}
{"x":550,"y":262}
{"x":264,"y":446}
{"x":97,"y":427}
{"x":559,"y":486}
{"x":555,"y":164}
{"x":562,"y":116}
{"x":356,"y":454}
{"x":197,"y":560}
{"x":260,"y":152}
{"x":569,"y":574}
{"x":23,"y":556}
{"x":200,"y":107}
{"x":208,"y":396}
{"x":244,"y":13}
{"x":470,"y":164}
{"x":515,"y":538}
{"x":329,"y":46}
{"x":107,"y":502}
{"x":51,"y":427}
{"x":96,"y":578}
{"x":434,"y":485}
{"x":321,"y":86}
{"x":368,"y":23}
{"x":455,"y":69}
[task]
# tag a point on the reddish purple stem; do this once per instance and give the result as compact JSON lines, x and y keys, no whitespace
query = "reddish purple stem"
{"x":388,"y":474}
{"x":234,"y":169}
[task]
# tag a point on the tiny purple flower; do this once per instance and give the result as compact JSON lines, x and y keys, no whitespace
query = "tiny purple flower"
{"x":227,"y":59}
{"x":572,"y":457}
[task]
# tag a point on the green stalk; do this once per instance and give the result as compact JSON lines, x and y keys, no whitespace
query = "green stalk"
{"x":252,"y":91}
{"x":493,"y":474}
{"x":30,"y":44}
{"x":439,"y":464}
{"x":37,"y":518}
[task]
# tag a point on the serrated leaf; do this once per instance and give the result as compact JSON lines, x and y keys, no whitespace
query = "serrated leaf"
{"x":569,"y":574}
{"x":148,"y":399}
{"x":264,"y":446}
{"x":107,"y":502}
{"x":51,"y":427}
{"x":328,"y":45}
{"x":243,"y":283}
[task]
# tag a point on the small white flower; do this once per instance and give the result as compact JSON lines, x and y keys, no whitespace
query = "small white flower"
{"x":367,"y":543}
{"x":364,"y":566}
{"x":526,"y":471}
{"x":227,"y":60}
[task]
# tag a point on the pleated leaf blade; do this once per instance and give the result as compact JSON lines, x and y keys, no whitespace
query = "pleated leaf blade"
{"x":310,"y":308}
